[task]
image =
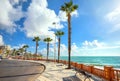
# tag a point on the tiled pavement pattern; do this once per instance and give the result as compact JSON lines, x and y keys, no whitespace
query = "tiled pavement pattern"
{"x":57,"y":72}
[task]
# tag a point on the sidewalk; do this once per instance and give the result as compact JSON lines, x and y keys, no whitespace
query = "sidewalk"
{"x":57,"y":72}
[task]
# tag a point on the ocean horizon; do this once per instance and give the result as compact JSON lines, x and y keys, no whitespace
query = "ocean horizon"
{"x":95,"y":60}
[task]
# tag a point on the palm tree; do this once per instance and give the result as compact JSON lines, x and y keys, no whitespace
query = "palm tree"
{"x":17,"y":52}
{"x":25,"y":48}
{"x":13,"y":52}
{"x":20,"y":51}
{"x":48,"y":40}
{"x":36,"y":39}
{"x":69,"y":8}
{"x":7,"y":53}
{"x":59,"y":34}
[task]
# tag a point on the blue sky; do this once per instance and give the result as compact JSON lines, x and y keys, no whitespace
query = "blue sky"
{"x":95,"y":25}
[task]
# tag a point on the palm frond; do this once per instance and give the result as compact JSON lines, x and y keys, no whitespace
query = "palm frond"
{"x":75,"y":7}
{"x":69,"y":7}
{"x":59,"y":33}
{"x":47,"y":39}
{"x":63,"y":8}
{"x":69,"y":4}
{"x":36,"y":39}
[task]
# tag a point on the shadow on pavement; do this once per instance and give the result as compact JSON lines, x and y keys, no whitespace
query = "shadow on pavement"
{"x":19,"y":75}
{"x":13,"y":70}
{"x":71,"y":78}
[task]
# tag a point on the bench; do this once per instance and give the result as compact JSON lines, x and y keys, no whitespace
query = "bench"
{"x":82,"y":72}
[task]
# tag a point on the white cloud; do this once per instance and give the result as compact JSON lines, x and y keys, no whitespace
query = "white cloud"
{"x":93,"y":44}
{"x":14,"y":2}
{"x":93,"y":48}
{"x":75,"y":49}
{"x":62,"y":15}
{"x":8,"y":15}
{"x":40,"y":19}
{"x":114,"y":15}
{"x":96,"y":48}
{"x":18,"y":46}
{"x":75,"y":13}
{"x":115,"y":28}
{"x":64,"y":50}
{"x":114,"y":18}
{"x":1,"y":40}
{"x":44,"y":52}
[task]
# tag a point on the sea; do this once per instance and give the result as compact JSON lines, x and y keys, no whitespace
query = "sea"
{"x":95,"y":60}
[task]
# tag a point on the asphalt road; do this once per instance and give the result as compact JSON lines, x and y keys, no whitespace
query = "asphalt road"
{"x":13,"y":70}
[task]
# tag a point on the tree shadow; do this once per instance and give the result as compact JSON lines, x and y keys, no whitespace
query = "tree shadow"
{"x":19,"y":75}
{"x":25,"y":71}
{"x":71,"y":78}
{"x":11,"y":66}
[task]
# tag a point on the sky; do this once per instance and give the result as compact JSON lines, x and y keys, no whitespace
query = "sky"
{"x":95,"y":26}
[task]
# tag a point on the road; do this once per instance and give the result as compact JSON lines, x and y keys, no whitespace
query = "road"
{"x":14,"y":70}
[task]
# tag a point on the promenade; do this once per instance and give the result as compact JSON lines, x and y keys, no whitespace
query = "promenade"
{"x":57,"y":72}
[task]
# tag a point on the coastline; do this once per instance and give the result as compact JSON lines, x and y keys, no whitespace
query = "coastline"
{"x":99,"y":61}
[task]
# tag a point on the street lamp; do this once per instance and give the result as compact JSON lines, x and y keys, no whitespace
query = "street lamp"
{"x":54,"y":44}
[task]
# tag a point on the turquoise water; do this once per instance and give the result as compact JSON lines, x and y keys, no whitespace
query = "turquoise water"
{"x":97,"y":61}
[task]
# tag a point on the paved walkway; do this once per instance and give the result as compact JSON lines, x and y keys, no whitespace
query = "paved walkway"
{"x":57,"y":72}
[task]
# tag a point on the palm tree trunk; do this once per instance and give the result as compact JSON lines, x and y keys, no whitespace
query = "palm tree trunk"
{"x":47,"y":50}
{"x":25,"y":54}
{"x":58,"y":49}
{"x":36,"y":48}
{"x":69,"y":40}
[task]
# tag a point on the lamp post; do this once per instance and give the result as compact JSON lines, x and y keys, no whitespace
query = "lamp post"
{"x":55,"y":49}
{"x":54,"y":44}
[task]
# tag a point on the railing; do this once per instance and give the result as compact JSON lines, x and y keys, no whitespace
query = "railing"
{"x":87,"y":68}
{"x":115,"y":75}
{"x":98,"y":72}
{"x":108,"y":73}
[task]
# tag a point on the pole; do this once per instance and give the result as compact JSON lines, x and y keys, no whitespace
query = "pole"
{"x":55,"y":50}
{"x":54,"y":23}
